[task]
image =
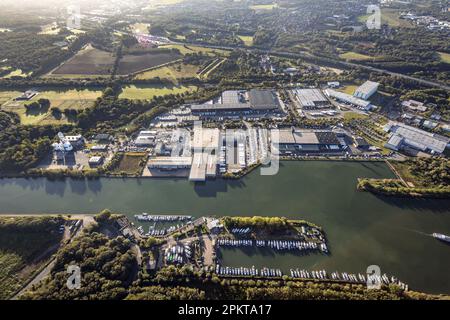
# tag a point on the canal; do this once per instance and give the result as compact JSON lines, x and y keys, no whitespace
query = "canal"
{"x":362,"y":229}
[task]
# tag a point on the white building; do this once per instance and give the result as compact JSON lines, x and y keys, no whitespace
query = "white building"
{"x":346,"y":98}
{"x":169,"y":163}
{"x":366,"y":90}
{"x":406,"y":136}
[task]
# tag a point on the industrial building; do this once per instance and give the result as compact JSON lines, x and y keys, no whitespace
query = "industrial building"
{"x":366,"y":90}
{"x":404,"y":136}
{"x":296,"y":141}
{"x":145,"y":139}
{"x":346,"y":98}
{"x":205,"y":148}
{"x":169,"y":163}
{"x":310,"y":98}
{"x":414,"y":105}
{"x":255,"y":100}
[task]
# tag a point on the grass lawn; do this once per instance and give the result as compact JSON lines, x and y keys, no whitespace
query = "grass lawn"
{"x":355,"y":56}
{"x":185,"y":49}
{"x":350,"y":89}
{"x":16,"y":73}
{"x":173,"y":72}
{"x":248,"y":40}
{"x":68,"y":99}
{"x":131,"y":163}
{"x":445,"y":57}
{"x":24,"y":249}
{"x":140,"y":27}
{"x":354,"y":115}
{"x":269,"y":6}
{"x":390,"y":17}
{"x":145,"y":92}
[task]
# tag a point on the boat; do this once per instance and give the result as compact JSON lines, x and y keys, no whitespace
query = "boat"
{"x":441,"y":237}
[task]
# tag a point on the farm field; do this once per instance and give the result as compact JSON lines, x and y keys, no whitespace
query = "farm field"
{"x":390,"y":17}
{"x":146,"y":92}
{"x":61,"y":99}
{"x":355,"y":56}
{"x":186,"y":49}
{"x":89,"y":61}
{"x":445,"y":57}
{"x":135,"y":63}
{"x":172,"y":72}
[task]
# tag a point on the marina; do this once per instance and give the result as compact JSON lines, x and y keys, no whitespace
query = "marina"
{"x":361,"y":229}
{"x":275,"y":244}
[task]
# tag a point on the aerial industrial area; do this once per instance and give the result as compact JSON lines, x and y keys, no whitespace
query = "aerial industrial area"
{"x":178,"y":145}
{"x":224,"y":150}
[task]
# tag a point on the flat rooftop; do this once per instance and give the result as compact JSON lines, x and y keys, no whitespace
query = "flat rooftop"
{"x":206,"y":138}
{"x":309,"y":97}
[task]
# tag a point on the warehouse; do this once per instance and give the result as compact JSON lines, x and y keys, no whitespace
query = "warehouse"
{"x":404,"y":136}
{"x":234,"y":101}
{"x":169,"y":163}
{"x":366,"y":90}
{"x":296,"y":141}
{"x":349,"y":99}
{"x":310,"y":98}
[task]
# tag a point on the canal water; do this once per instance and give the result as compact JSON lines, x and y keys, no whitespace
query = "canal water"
{"x":362,"y":229}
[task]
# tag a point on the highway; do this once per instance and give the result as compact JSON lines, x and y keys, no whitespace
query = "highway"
{"x":345,"y":63}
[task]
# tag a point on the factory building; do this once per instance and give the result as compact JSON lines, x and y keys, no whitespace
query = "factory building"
{"x":233,"y":101}
{"x":145,"y":139}
{"x":310,"y":98}
{"x":296,"y":141}
{"x":349,"y":99}
{"x":205,"y":148}
{"x":366,"y":90}
{"x":404,"y":136}
{"x":169,"y":163}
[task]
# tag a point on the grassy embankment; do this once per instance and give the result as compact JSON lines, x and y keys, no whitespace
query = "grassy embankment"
{"x":25,"y":246}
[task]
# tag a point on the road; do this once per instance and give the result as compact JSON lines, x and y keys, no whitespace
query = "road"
{"x":87,"y":220}
{"x":309,"y":56}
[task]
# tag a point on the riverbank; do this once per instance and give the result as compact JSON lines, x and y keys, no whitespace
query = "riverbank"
{"x":363,"y":229}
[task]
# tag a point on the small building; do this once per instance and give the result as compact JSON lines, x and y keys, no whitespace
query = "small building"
{"x":95,"y":161}
{"x":361,"y":143}
{"x":103,"y":138}
{"x":76,"y":141}
{"x":333,"y":84}
{"x":366,"y":90}
{"x":99,"y":148}
{"x":214,"y":226}
{"x":414,"y":105}
{"x":428,"y":124}
{"x":27,"y":95}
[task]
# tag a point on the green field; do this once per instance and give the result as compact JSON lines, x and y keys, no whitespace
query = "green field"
{"x":355,"y":56}
{"x":248,"y":40}
{"x":145,"y":92}
{"x":445,"y":57}
{"x":185,"y":49}
{"x":349,"y":89}
{"x":24,"y":249}
{"x":258,"y":7}
{"x":173,"y":72}
{"x":62,"y":99}
{"x":390,"y":17}
{"x":131,"y":164}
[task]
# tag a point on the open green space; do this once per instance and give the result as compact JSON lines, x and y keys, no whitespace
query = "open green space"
{"x":355,"y":56}
{"x":173,"y":72}
{"x":25,"y":245}
{"x":147,"y":92}
{"x":61,"y":99}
